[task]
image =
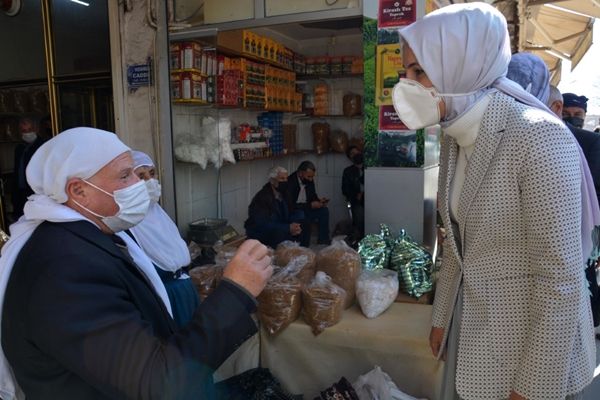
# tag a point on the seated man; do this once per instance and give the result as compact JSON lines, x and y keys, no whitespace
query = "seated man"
{"x":353,"y":181}
{"x":303,"y":197}
{"x":269,"y":219}
{"x":84,"y":312}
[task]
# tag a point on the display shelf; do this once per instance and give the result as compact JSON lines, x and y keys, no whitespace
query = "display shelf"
{"x":226,"y":51}
{"x":305,"y":116}
{"x":301,"y":78}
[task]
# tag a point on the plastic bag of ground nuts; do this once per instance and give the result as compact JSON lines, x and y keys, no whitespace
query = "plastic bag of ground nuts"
{"x":343,"y":265}
{"x":323,"y":303}
{"x":206,"y":278}
{"x":287,"y":251}
{"x":280,"y":302}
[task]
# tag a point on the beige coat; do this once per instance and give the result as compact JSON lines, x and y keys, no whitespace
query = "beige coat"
{"x":526,"y":323}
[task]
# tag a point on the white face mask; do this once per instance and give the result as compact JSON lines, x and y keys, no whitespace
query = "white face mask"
{"x":416,"y":105}
{"x":133,"y":202}
{"x":29,"y":137}
{"x":154,"y":189}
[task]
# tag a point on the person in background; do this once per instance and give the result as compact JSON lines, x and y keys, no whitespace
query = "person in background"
{"x":159,"y":237}
{"x":574,"y":109}
{"x":353,"y":182}
{"x":531,"y":72}
{"x":303,"y":198}
{"x":511,"y":312}
{"x":29,"y":131}
{"x":98,"y":322}
{"x":597,"y":129}
{"x":269,"y":218}
{"x":588,"y":140}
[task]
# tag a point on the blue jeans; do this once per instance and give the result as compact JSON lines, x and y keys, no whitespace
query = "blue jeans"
{"x":319,"y":215}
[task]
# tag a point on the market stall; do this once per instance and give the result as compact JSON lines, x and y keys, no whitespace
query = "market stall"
{"x":397,"y":341}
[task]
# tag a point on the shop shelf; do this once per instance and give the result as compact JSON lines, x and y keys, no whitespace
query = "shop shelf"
{"x":300,"y":78}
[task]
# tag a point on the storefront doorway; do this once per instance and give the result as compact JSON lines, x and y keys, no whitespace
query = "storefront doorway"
{"x":56,"y":74}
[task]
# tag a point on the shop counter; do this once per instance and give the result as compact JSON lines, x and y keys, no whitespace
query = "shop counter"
{"x":397,"y":341}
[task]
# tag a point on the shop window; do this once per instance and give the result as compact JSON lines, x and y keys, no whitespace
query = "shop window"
{"x":79,"y":28}
{"x":22,"y":45}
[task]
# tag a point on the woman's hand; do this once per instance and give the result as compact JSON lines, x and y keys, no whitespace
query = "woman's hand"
{"x":435,"y":340}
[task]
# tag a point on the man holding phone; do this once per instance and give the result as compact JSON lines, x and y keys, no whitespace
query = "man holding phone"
{"x":303,"y":197}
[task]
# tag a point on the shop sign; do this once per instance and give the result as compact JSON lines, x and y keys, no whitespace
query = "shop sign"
{"x":139,"y":75}
{"x":396,"y":13}
{"x":389,"y":120}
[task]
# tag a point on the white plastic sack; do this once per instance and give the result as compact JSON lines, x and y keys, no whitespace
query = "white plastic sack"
{"x":376,"y":290}
{"x":377,"y":385}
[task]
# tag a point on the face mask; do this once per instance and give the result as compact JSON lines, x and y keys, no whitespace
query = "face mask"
{"x":133,"y":202}
{"x":416,"y":105}
{"x":304,"y":181}
{"x":357,"y":159}
{"x":154,"y":189}
{"x":282,"y":187}
{"x":28,"y":137}
{"x":575,"y":121}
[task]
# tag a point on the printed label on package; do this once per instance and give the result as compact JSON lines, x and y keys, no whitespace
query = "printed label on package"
{"x":396,"y":13}
{"x":389,"y":120}
{"x":389,"y":70}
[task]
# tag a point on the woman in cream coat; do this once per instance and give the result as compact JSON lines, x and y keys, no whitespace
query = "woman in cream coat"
{"x":512,"y":293}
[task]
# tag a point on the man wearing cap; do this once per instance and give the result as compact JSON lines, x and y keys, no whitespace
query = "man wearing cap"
{"x":84,"y":312}
{"x":574,"y":109}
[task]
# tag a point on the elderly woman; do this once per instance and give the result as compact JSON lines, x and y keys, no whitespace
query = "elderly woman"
{"x":158,"y":236}
{"x":511,"y":302}
{"x":83,"y":312}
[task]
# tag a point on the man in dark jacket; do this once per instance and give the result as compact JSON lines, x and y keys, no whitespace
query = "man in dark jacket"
{"x":303,"y":197}
{"x":269,"y":219}
{"x":29,"y":131}
{"x":353,"y":189}
{"x":573,"y":118}
{"x":80,"y":318}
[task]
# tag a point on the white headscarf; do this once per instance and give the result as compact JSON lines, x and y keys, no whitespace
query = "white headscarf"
{"x":157,"y":234}
{"x":141,"y":159}
{"x":465,"y":49}
{"x":77,"y":152}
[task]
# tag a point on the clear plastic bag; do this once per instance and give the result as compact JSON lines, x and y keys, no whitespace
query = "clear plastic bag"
{"x":287,"y":251}
{"x":376,"y":290}
{"x":323,"y":303}
{"x":338,"y":141}
{"x":343,"y":265}
{"x":206,"y":278}
{"x":280,"y":302}
{"x":377,"y":385}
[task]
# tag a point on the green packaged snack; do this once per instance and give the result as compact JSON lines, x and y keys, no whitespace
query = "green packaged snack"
{"x":413,"y":264}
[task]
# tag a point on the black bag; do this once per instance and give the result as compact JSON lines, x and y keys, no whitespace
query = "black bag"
{"x":254,"y":384}
{"x":590,"y":273}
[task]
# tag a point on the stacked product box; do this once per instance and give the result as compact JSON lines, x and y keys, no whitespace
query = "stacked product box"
{"x":274,"y":122}
{"x":280,"y":89}
{"x":229,"y":88}
{"x":335,"y":65}
{"x":253,"y":74}
{"x":257,"y":47}
{"x":191,"y":66}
